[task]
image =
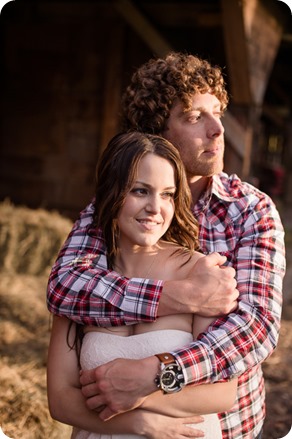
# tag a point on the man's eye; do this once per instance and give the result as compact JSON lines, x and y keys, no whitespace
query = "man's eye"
{"x":219,"y":114}
{"x":194,"y":118}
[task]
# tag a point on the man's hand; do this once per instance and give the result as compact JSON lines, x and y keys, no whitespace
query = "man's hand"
{"x":209,"y":290}
{"x":119,"y":386}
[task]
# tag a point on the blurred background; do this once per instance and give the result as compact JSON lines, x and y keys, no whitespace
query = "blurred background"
{"x":63,"y":68}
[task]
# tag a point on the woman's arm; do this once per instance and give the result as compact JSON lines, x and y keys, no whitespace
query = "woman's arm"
{"x":67,"y":405}
{"x":202,"y":399}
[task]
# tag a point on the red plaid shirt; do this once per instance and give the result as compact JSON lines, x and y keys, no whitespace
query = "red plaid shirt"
{"x":236,"y":220}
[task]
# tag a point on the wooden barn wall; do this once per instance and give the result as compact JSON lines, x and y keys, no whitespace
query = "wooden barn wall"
{"x":64,"y":67}
{"x":58,"y":82}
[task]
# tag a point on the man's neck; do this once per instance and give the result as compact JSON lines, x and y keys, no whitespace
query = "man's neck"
{"x":197,"y":186}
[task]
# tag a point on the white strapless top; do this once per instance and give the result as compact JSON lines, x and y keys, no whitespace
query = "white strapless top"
{"x":99,"y":348}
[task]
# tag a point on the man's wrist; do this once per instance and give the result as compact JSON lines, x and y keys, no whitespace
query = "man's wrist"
{"x":170,"y":379}
{"x":174,"y":299}
{"x":152,"y":366}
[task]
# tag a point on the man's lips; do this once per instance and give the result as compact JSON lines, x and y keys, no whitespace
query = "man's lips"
{"x":212,"y":151}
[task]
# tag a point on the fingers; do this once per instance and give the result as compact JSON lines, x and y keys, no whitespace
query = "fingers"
{"x":191,"y":432}
{"x":96,"y":403}
{"x":196,"y":419}
{"x":107,"y":414}
{"x":89,"y":390}
{"x":87,"y":377}
{"x":191,"y":427}
{"x":214,"y":259}
{"x":234,"y":303}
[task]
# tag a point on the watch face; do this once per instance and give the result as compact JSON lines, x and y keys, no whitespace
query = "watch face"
{"x":168,"y":378}
{"x":171,"y":378}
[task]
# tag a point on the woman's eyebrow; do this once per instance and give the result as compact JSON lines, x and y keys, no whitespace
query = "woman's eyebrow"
{"x":150,"y":186}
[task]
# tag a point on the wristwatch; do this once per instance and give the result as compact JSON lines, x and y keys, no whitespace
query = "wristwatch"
{"x":170,"y":379}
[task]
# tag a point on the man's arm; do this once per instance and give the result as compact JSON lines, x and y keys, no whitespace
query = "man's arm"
{"x":243,"y":339}
{"x":81,"y":287}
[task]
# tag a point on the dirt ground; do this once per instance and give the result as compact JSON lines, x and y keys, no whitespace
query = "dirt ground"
{"x":24,"y":336}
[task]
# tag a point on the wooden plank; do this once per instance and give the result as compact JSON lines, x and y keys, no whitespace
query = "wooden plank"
{"x":143,"y":27}
{"x":183,"y":14}
{"x":236,"y":51}
{"x":252,"y":37}
{"x":264,"y":33}
{"x":112,"y":86}
{"x":235,"y":134}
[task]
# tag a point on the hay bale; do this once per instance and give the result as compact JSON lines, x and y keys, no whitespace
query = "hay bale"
{"x":23,"y":404}
{"x":29,"y":243}
{"x":30,"y":239}
{"x":24,"y":339}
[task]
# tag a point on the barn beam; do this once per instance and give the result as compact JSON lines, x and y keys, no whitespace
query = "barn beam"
{"x":142,"y":27}
{"x":252,"y":37}
{"x":236,"y":51}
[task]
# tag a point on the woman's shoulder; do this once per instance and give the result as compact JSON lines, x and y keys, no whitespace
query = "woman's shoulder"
{"x":178,"y":261}
{"x":177,"y":252}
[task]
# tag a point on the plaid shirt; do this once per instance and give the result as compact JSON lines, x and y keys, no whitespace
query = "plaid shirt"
{"x":236,"y":220}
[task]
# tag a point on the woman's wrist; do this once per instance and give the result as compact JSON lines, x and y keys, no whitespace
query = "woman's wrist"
{"x":140,"y":422}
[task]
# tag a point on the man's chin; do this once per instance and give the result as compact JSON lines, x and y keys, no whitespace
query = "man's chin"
{"x":210,"y":171}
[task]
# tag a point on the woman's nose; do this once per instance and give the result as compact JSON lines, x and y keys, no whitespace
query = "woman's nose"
{"x":153,"y":204}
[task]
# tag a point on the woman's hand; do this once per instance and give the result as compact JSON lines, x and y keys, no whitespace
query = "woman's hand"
{"x":155,"y":426}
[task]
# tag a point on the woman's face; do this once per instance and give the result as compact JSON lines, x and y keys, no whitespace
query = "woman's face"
{"x":148,"y":208}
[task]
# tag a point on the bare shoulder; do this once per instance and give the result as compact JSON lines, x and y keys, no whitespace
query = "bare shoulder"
{"x":177,"y":261}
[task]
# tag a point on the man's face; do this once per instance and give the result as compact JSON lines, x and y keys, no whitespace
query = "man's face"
{"x":198,"y":135}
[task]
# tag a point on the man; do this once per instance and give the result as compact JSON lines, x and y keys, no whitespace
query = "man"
{"x":183,"y":99}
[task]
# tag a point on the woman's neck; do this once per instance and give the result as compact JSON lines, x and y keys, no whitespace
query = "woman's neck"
{"x":137,"y":262}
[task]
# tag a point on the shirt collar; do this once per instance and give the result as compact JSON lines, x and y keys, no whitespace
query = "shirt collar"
{"x":218,"y":186}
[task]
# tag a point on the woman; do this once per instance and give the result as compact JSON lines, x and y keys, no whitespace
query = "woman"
{"x":143,"y":210}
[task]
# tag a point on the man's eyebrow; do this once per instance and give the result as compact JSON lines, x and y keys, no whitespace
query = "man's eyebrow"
{"x":190,"y":110}
{"x":202,"y":108}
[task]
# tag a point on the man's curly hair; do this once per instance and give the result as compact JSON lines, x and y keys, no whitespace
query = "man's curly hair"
{"x":148,"y":99}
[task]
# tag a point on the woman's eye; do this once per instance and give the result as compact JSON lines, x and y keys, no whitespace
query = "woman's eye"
{"x":139,"y":191}
{"x":168,"y":195}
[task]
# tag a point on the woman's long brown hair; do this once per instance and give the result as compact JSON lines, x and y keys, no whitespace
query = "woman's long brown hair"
{"x":116,"y":174}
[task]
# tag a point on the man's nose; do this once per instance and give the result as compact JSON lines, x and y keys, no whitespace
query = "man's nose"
{"x":215,"y":127}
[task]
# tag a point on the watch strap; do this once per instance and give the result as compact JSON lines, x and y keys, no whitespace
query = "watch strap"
{"x":166,"y":358}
